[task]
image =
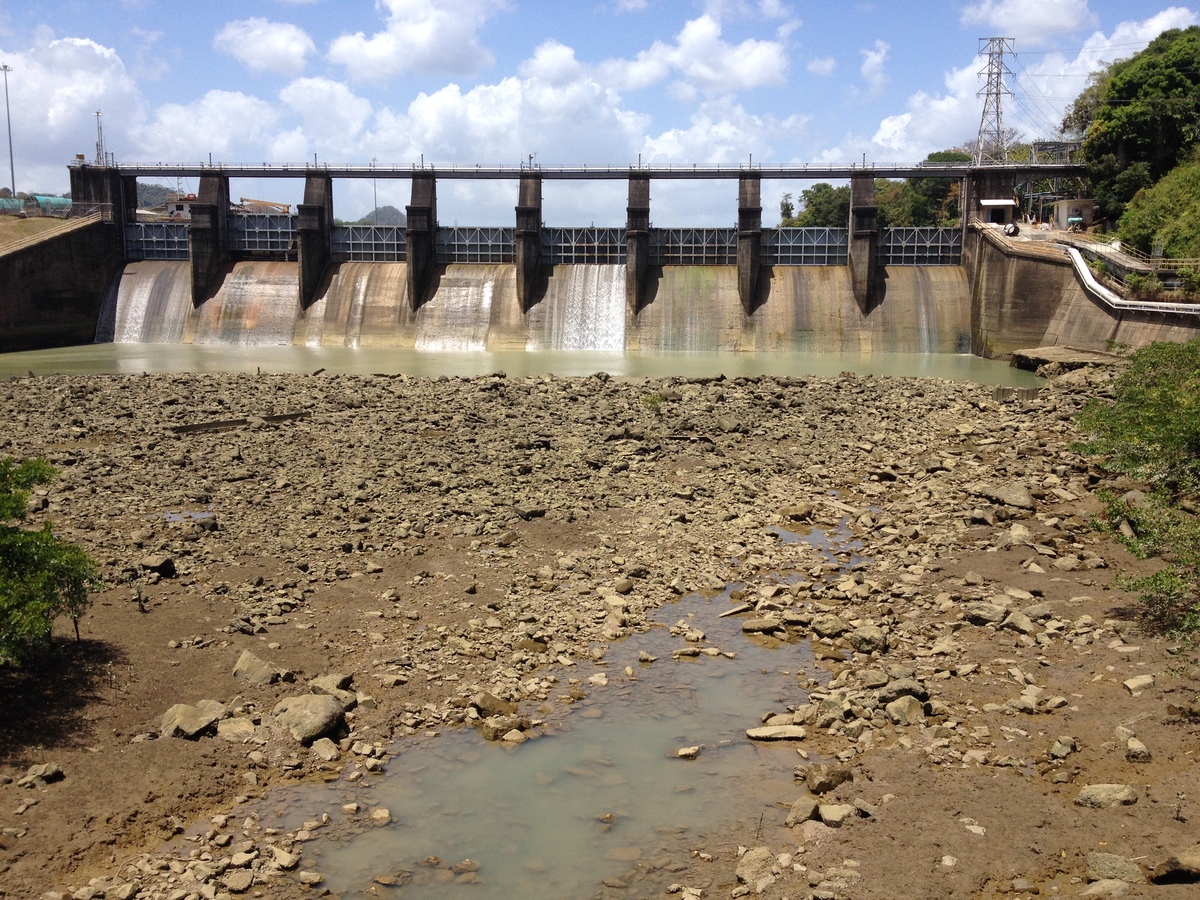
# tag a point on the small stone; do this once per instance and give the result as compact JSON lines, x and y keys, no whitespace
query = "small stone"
{"x":381,"y":815}
{"x":1136,"y":685}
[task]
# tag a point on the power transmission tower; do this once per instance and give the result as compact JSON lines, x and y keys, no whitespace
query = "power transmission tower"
{"x":991,"y":147}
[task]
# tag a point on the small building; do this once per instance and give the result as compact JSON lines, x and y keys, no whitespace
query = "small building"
{"x":998,"y":212}
{"x":1074,"y":214}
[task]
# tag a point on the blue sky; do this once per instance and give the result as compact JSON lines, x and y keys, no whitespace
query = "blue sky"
{"x":496,"y":81}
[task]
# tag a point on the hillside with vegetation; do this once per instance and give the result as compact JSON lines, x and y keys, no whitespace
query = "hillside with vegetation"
{"x":1140,"y":122}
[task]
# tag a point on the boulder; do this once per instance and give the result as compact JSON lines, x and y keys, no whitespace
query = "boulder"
{"x":1106,"y":796}
{"x":868,"y":639}
{"x":309,"y":716}
{"x":755,"y":864}
{"x":187,"y":721}
{"x":253,"y":670}
{"x":803,"y":810}
{"x":777,"y":733}
{"x":822,"y":778}
{"x":829,"y":625}
{"x":1105,"y":866}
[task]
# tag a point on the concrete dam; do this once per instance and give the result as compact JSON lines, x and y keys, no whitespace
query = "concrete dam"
{"x":306,"y":280}
{"x":583,"y":307}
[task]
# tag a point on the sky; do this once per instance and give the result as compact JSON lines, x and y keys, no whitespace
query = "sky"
{"x":552,"y":82}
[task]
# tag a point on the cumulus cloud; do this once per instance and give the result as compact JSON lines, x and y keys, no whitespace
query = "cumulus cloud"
{"x":333,"y":116}
{"x":219,"y":123}
{"x":54,"y":90}
{"x":702,"y":61}
{"x":418,"y":36}
{"x":263,"y":46}
{"x":1031,"y":22}
{"x":872,"y":68}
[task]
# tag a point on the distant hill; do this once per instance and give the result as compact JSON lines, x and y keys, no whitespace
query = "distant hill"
{"x":383,"y":215}
{"x":153,"y":195}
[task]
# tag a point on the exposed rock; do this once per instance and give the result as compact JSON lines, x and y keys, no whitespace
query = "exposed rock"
{"x":1105,"y":796}
{"x":254,"y":671}
{"x":1182,"y":868}
{"x":754,"y":864}
{"x":187,"y":721}
{"x":1109,"y":866}
{"x":777,"y":733}
{"x":309,"y":716}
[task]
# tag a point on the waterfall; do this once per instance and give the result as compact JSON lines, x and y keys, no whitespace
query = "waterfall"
{"x":457,"y":318}
{"x":584,"y":309}
{"x":152,"y":305}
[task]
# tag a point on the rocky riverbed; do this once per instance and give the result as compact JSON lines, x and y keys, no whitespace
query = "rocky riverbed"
{"x":305,"y":572}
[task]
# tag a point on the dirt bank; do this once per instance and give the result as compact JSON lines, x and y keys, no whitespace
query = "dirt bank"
{"x":443,"y":545}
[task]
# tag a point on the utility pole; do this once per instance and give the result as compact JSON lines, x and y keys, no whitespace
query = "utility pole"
{"x":101,"y":156}
{"x":991,"y":147}
{"x":12,"y":170}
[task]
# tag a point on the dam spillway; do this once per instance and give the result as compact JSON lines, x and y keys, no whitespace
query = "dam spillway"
{"x":475,"y":307}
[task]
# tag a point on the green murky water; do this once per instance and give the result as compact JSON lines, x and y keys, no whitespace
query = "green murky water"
{"x":137,"y":358}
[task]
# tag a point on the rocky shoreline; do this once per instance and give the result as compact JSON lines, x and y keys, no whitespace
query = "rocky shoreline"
{"x":306,"y":571}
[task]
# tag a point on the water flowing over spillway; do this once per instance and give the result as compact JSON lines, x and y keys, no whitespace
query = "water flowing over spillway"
{"x":584,"y":309}
{"x":474,"y":307}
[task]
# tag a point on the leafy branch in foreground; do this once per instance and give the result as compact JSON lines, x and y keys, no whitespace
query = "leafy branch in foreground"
{"x":41,"y":576}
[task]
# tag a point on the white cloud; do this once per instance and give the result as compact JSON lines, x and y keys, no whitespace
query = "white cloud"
{"x":553,"y":63}
{"x":419,"y":36}
{"x":825,"y":66}
{"x":223,"y":123}
{"x":333,"y":117}
{"x":872,"y":69}
{"x":54,"y":90}
{"x":630,"y":5}
{"x":1030,"y":22}
{"x":263,"y":46}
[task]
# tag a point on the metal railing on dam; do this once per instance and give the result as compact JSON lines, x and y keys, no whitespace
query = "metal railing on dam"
{"x":274,"y":236}
{"x":802,"y":171}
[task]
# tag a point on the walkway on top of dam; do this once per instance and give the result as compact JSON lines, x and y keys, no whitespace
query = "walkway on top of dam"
{"x":1020,"y":171}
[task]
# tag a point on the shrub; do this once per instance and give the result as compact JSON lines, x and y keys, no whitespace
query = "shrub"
{"x":41,"y":576}
{"x":1151,"y":430}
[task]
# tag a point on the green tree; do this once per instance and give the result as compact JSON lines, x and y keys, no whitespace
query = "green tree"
{"x":42,"y":576}
{"x":940,"y":197}
{"x":823,"y":206}
{"x":1168,"y":211}
{"x":1147,"y":118}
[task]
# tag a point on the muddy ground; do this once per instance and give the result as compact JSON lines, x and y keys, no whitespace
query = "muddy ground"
{"x":451,"y":544}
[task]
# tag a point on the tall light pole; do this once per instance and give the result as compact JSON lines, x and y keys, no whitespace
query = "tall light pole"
{"x":12,"y":170}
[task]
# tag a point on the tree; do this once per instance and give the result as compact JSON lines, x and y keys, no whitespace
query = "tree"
{"x":1147,"y":119}
{"x":787,"y":212}
{"x":821,"y":206}
{"x":941,"y":196}
{"x":42,"y":576}
{"x":1168,"y":211}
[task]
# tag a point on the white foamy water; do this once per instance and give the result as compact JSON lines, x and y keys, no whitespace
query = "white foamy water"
{"x":256,"y":305}
{"x":457,"y":318}
{"x":584,"y":311}
{"x":154,"y":300}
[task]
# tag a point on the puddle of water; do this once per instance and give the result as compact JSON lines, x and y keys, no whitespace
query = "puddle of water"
{"x":598,"y":796}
